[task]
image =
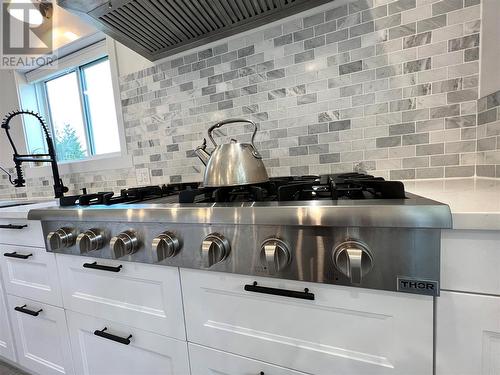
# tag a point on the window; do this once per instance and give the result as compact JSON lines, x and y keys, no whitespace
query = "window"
{"x":81,"y":111}
{"x":81,"y":106}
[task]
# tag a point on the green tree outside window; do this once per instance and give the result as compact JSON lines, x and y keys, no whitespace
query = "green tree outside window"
{"x":68,"y":146}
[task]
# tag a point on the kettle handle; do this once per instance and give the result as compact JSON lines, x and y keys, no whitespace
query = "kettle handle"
{"x":231,"y":121}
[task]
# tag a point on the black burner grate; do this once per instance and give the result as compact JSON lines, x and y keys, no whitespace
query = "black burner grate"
{"x":295,"y":188}
{"x":131,"y":195}
{"x":336,"y":186}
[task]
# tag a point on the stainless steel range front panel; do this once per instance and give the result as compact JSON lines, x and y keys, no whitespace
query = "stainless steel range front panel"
{"x":396,"y":253}
{"x":413,"y":212}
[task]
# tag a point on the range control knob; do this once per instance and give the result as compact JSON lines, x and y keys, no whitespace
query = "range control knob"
{"x":353,"y":259}
{"x":274,"y":255}
{"x":214,"y":249}
{"x":166,"y":245}
{"x":61,"y":238}
{"x":125,"y":243}
{"x":90,"y":240}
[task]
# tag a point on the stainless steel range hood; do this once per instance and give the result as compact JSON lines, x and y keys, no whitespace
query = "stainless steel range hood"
{"x":160,"y":28}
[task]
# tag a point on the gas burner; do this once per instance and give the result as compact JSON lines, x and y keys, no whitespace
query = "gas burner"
{"x":130,"y":195}
{"x":342,"y":186}
{"x":301,"y":188}
{"x":241,"y":194}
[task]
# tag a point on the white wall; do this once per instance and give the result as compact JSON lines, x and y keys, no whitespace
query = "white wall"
{"x":67,"y":27}
{"x":490,"y":48}
{"x":129,"y":61}
{"x":8,"y":102}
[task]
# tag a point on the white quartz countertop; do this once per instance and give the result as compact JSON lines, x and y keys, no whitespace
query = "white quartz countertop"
{"x":474,"y":202}
{"x":21,"y":212}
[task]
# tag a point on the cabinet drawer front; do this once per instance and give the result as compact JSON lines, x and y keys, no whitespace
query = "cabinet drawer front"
{"x":21,"y":232}
{"x":32,"y":274}
{"x":342,"y":331}
{"x":206,"y":361}
{"x":42,"y":341}
{"x":470,"y":261}
{"x":147,"y":353}
{"x":467,"y":334}
{"x":142,"y":296}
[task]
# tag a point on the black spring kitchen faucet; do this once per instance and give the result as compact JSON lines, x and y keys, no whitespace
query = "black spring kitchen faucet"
{"x":50,"y":157}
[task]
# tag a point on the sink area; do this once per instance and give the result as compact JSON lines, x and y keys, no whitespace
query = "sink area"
{"x":15,"y":203}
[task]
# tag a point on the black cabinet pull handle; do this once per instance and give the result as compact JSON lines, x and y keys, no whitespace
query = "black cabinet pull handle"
{"x":16,"y":255}
{"x":279,"y":292}
{"x":101,"y":267}
{"x":13,"y":226}
{"x":24,"y":310}
{"x":109,"y":336}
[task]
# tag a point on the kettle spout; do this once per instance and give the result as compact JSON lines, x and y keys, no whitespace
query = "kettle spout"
{"x":202,"y":153}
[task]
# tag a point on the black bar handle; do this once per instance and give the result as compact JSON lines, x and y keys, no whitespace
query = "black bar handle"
{"x":24,"y":310}
{"x":279,"y":292}
{"x":16,"y":255}
{"x":101,"y":267}
{"x":13,"y":226}
{"x":109,"y":336}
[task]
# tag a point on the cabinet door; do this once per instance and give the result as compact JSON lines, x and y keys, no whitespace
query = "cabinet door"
{"x":42,"y":341}
{"x":479,"y":251}
{"x":467,"y":334}
{"x":139,"y":295}
{"x":206,"y":361}
{"x":342,"y":331}
{"x":146,"y":353}
{"x":30,"y":272}
{"x":6,"y":342}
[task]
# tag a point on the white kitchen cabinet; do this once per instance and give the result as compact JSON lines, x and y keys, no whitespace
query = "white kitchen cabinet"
{"x":42,"y":341}
{"x":6,"y":341}
{"x":146,"y":354}
{"x":467,"y":334}
{"x":470,"y":261}
{"x":139,"y":295}
{"x":33,"y":274}
{"x":21,"y":232}
{"x":343,"y":331}
{"x":206,"y":361}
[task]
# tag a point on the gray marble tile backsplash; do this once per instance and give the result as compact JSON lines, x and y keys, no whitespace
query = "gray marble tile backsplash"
{"x":391,"y":84}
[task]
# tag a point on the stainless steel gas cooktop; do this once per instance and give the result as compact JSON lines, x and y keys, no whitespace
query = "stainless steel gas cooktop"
{"x":348,"y":229}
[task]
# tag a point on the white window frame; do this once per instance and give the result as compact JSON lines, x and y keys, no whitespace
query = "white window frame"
{"x":31,"y":84}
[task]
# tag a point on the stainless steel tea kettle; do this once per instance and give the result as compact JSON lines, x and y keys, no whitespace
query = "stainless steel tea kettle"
{"x":233,"y":163}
